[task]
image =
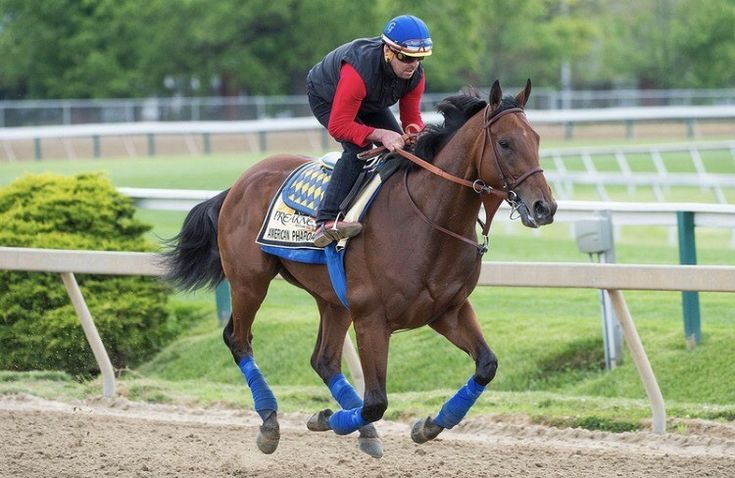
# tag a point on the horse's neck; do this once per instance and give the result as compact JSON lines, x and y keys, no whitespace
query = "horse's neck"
{"x":446,"y":203}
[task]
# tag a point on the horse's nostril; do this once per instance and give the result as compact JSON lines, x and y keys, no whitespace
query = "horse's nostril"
{"x":540,"y":209}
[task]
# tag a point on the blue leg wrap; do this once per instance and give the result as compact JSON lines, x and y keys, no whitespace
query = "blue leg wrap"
{"x":454,"y":410}
{"x":343,"y":392}
{"x":263,"y":399}
{"x":344,"y":422}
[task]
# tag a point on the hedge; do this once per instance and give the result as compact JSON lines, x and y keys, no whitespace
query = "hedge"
{"x":38,"y":326}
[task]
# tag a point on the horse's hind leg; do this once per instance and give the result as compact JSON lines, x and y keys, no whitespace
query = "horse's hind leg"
{"x":247,"y":295}
{"x":326,"y":361}
{"x":463,"y":330}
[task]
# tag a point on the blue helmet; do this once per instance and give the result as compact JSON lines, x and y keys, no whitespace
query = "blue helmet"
{"x":409,"y":35}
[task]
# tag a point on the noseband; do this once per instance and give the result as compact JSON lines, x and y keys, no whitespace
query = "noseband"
{"x":491,"y":197}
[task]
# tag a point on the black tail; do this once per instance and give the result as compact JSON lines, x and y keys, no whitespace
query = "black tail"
{"x":192,"y":257}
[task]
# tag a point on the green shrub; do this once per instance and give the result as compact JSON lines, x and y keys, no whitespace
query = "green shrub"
{"x":38,"y":326}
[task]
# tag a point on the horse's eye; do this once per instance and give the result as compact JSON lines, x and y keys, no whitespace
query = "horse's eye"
{"x":504,"y":143}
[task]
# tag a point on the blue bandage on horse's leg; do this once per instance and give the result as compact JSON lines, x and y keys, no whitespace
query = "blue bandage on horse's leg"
{"x":343,"y":392}
{"x":347,"y":421}
{"x":454,"y":410}
{"x":263,"y":399}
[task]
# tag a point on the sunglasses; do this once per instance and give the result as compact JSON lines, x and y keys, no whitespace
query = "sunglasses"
{"x":403,"y":58}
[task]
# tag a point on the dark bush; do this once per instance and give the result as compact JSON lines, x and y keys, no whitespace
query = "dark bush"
{"x":38,"y":326}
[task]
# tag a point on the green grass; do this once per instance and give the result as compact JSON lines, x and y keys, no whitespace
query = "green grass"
{"x":548,"y":344}
{"x":185,"y":172}
{"x":548,"y":341}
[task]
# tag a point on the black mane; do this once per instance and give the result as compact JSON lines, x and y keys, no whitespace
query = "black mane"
{"x":456,"y":110}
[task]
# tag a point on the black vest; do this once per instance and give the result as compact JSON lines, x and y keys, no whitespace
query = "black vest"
{"x":382,"y":86}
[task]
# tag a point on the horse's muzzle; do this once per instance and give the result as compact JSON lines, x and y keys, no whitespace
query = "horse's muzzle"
{"x":543,"y":213}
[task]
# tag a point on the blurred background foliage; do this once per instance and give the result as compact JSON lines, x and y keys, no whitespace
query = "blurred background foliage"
{"x":136,"y":48}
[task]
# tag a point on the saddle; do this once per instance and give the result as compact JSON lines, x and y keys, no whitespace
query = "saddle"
{"x":290,"y":224}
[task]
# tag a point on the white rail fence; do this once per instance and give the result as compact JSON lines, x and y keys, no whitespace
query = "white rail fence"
{"x":690,"y":115}
{"x":631,"y":160}
{"x":623,"y":213}
{"x":77,"y":111}
{"x":611,"y":277}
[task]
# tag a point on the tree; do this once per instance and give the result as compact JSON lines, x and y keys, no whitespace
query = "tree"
{"x":121,"y":48}
{"x":704,"y":43}
{"x":68,"y":48}
{"x":670,"y":43}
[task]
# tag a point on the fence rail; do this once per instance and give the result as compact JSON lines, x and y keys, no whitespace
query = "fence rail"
{"x":624,"y":213}
{"x":564,"y":179}
{"x":78,"y":111}
{"x":612,"y":277}
{"x":203,"y":131}
{"x":597,"y":115}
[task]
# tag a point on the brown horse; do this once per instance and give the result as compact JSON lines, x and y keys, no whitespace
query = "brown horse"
{"x":414,"y":264}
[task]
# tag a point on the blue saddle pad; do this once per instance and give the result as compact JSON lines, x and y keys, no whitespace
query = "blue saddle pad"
{"x":289,"y":226}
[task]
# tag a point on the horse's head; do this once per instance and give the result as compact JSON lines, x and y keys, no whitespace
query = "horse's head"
{"x":510,"y":157}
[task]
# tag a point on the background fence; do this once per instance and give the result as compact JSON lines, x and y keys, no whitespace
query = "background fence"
{"x":611,"y":277}
{"x":68,"y":112}
{"x":306,"y":134}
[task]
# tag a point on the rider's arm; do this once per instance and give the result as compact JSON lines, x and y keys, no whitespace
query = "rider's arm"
{"x":409,"y":107}
{"x":347,"y":100}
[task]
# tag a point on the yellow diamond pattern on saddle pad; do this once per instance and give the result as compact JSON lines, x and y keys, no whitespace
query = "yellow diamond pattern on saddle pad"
{"x":305,"y":190}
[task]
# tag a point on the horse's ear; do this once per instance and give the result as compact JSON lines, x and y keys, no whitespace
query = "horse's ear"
{"x":496,"y":95}
{"x":522,"y":97}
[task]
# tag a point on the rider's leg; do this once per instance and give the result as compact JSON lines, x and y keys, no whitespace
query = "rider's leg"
{"x":345,"y":174}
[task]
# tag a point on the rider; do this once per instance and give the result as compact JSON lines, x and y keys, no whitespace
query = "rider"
{"x":350,"y":92}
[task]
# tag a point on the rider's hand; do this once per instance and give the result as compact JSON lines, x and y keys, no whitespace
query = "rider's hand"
{"x":390,"y":139}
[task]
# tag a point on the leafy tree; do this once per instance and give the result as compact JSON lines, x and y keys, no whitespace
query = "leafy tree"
{"x":704,"y":42}
{"x":121,"y":48}
{"x":670,"y":43}
{"x":68,"y":49}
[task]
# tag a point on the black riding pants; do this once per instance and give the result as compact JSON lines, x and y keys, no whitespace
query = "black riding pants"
{"x":348,"y":167}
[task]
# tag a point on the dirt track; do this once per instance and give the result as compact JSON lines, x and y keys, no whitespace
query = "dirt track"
{"x":120,"y":438}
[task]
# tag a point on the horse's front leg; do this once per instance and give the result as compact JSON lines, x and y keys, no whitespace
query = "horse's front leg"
{"x":462,"y":329}
{"x":372,"y":342}
{"x":326,"y":361}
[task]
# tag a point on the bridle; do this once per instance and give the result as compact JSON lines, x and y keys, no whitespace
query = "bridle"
{"x":491,"y":197}
{"x":507,"y":179}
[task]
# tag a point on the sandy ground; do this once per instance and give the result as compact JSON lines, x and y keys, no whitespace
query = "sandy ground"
{"x":121,"y":438}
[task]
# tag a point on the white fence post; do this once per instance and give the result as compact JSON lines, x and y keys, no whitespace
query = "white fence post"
{"x":641,"y":361}
{"x":612,"y":277}
{"x":90,"y":331}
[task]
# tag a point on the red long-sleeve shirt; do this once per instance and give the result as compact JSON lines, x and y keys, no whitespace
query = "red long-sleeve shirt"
{"x":348,"y":97}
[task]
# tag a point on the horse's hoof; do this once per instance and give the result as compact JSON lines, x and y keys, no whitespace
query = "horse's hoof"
{"x":425,"y":430}
{"x":268,"y":437}
{"x":319,"y":422}
{"x":371,"y":446}
{"x":369,"y":442}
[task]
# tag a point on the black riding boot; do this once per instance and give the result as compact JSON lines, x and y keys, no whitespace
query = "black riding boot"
{"x":344,"y":175}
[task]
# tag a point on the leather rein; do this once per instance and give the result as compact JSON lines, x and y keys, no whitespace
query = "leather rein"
{"x":491,"y":197}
